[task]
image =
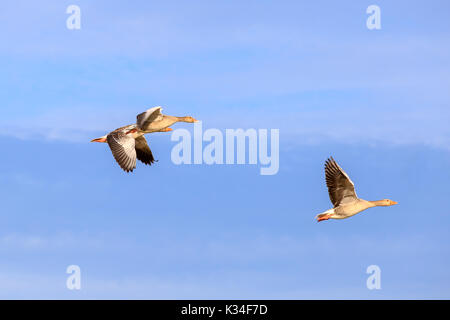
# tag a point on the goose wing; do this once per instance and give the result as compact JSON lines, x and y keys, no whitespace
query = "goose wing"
{"x":143,"y":152}
{"x":122,"y":147}
{"x":145,"y":118}
{"x":340,"y":188}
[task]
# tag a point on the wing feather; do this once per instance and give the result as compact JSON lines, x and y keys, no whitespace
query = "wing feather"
{"x":143,"y":151}
{"x":144,"y":119}
{"x":122,"y":147}
{"x":341,"y":188}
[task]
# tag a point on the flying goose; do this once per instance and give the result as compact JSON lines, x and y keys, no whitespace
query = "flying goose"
{"x":128,"y":143}
{"x":343,"y":196}
{"x":153,"y":120}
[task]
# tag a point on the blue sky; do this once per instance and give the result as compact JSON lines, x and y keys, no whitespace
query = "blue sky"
{"x":375,"y":100}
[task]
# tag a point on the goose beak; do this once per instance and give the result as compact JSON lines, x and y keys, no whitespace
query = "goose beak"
{"x":99,"y":140}
{"x":393,"y":202}
{"x":166,"y":130}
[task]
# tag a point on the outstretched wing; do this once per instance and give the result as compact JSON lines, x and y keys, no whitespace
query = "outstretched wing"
{"x":145,"y":118}
{"x":123,"y":149}
{"x":143,"y":151}
{"x":340,"y":188}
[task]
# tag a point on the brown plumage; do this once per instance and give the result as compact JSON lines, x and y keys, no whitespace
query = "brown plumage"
{"x":340,"y":188}
{"x":126,"y":148}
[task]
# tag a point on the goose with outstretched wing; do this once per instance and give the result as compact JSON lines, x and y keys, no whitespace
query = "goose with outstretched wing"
{"x":343,"y":196}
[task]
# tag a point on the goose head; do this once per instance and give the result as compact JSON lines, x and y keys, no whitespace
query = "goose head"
{"x":189,"y":119}
{"x":386,"y":202}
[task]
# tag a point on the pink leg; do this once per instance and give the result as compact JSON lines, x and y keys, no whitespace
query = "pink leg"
{"x":325,"y":217}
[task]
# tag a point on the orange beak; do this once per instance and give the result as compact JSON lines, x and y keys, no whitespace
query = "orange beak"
{"x":99,"y":140}
{"x":166,"y":130}
{"x":393,"y":202}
